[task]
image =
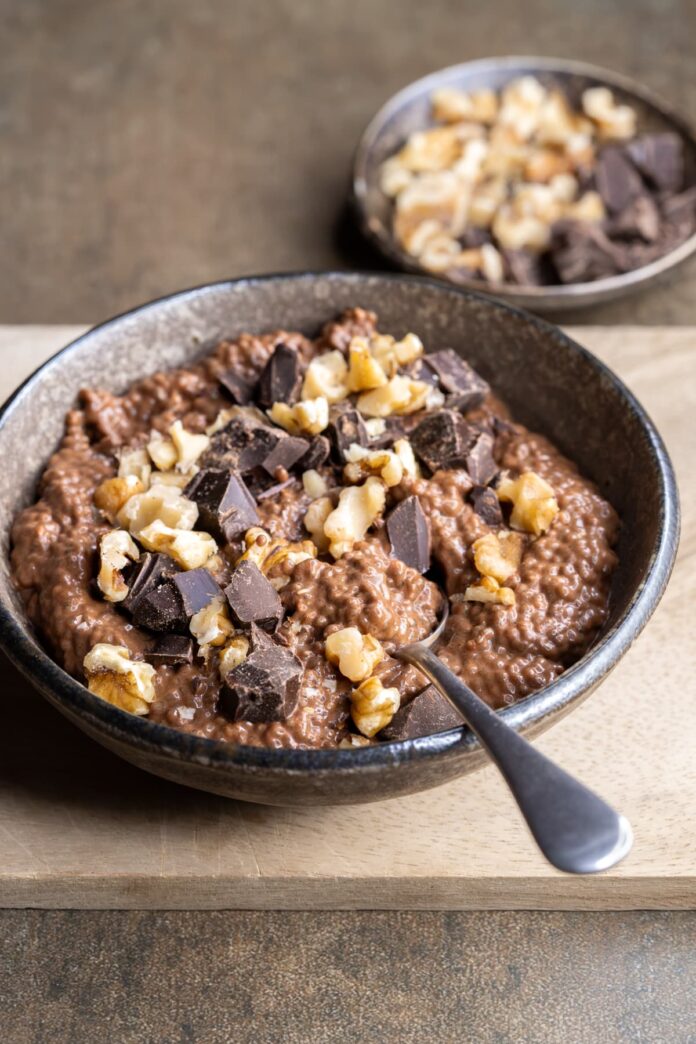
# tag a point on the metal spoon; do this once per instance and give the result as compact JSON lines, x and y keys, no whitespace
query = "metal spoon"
{"x":575,"y":829}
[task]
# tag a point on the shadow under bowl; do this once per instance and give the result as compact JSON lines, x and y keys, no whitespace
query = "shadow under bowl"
{"x":409,"y":111}
{"x":551,"y":384}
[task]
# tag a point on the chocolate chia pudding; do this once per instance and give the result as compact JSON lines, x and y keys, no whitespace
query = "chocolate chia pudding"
{"x":235,"y":549}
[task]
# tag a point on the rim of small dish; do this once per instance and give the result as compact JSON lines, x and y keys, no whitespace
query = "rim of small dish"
{"x":25,"y":651}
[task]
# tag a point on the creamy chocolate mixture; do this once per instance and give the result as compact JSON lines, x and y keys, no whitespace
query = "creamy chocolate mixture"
{"x":525,"y":602}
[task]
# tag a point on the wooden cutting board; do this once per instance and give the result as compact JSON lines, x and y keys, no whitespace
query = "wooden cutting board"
{"x":79,"y":828}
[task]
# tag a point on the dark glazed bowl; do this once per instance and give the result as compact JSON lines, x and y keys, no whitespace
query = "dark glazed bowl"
{"x":551,"y":383}
{"x":409,"y":110}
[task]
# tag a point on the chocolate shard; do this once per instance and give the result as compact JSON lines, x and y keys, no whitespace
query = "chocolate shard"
{"x":196,"y":589}
{"x":442,"y":440}
{"x":486,"y":505}
{"x":264,"y":687}
{"x":281,"y":377}
{"x":346,"y":426}
{"x":427,"y":713}
{"x":252,"y":599}
{"x":458,"y":378}
{"x":421,"y":371}
{"x":479,"y":460}
{"x":660,"y":159}
{"x":640,"y":219}
{"x":145,"y":575}
{"x":226,"y":508}
{"x":525,"y":268}
{"x":160,"y":609}
{"x":582,"y":252}
{"x":285,"y":454}
{"x":680,"y":207}
{"x":316,"y":455}
{"x":618,"y":182}
{"x":242,"y":445}
{"x":171,"y":650}
{"x":277,"y":488}
{"x":409,"y":534}
{"x":240,"y":390}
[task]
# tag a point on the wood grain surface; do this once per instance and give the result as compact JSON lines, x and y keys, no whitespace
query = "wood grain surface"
{"x":79,"y":828}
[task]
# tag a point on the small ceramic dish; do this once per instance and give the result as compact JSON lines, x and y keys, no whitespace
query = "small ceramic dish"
{"x":551,"y":384}
{"x":409,"y":110}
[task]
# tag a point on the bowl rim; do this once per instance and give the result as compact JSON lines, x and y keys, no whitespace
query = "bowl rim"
{"x":26,"y":652}
{"x":553,"y":295}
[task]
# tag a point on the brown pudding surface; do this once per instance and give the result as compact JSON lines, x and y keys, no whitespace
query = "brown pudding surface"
{"x":561,"y":587}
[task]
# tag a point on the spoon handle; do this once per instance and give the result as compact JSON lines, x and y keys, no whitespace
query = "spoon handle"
{"x":575,"y":829}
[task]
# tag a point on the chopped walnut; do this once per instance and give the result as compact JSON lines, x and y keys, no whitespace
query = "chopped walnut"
{"x":533,"y":499}
{"x":116,"y":549}
{"x":268,"y":552}
{"x":327,"y":377}
{"x":409,"y":464}
{"x":519,"y":231}
{"x":498,"y":555}
{"x":612,"y":120}
{"x":356,"y":655}
{"x":308,"y":417}
{"x":363,"y":463}
{"x":159,"y":503}
{"x":375,"y":427}
{"x":359,"y":507}
{"x":113,"y":676}
{"x":351,"y":741}
{"x":451,"y":105}
{"x":314,"y":484}
{"x":364,"y":372}
{"x":315,"y":519}
{"x":189,"y":549}
{"x":211,"y":625}
{"x":590,"y":207}
{"x":135,"y":462}
{"x":111,"y":494}
{"x":489,"y":590}
{"x":234,"y":653}
{"x":188,"y":446}
{"x":400,"y":395}
{"x":163,"y":453}
{"x":373,"y":706}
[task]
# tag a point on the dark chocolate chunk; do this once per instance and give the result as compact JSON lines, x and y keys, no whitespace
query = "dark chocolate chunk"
{"x":526,"y":268}
{"x":145,"y":575}
{"x":486,"y":505}
{"x":346,"y":427}
{"x":264,"y":687}
{"x":680,"y":206}
{"x":160,"y":609}
{"x":171,"y":650}
{"x":581,"y":252}
{"x":226,"y":508}
{"x":316,"y":455}
{"x":618,"y":182}
{"x":286,"y":452}
{"x":442,"y":440}
{"x":420,"y":371}
{"x":242,"y":445}
{"x":479,"y":460}
{"x":458,"y":378}
{"x":660,"y":159}
{"x":641,"y":218}
{"x":409,"y":534}
{"x":240,"y":390}
{"x":427,"y":713}
{"x":474,"y":237}
{"x":252,"y":599}
{"x":281,"y":377}
{"x":196,"y":589}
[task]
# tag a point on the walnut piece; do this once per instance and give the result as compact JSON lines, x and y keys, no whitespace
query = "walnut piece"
{"x":135,"y":462}
{"x":162,"y":503}
{"x":355,"y":654}
{"x":111,"y":494}
{"x":211,"y":625}
{"x":234,"y":653}
{"x":533,"y":499}
{"x":399,"y":395}
{"x":351,"y":741}
{"x":612,"y":120}
{"x":450,"y":105}
{"x":498,"y":555}
{"x":315,"y":519}
{"x":373,"y":706}
{"x":189,"y":549}
{"x":363,"y":462}
{"x":489,"y":590}
{"x":364,"y":371}
{"x":314,"y":484}
{"x":327,"y":377}
{"x":358,"y":508}
{"x":308,"y":417}
{"x":116,"y":549}
{"x":188,"y":446}
{"x":112,"y":675}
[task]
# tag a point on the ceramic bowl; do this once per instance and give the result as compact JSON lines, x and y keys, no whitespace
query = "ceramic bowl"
{"x":409,"y":110}
{"x":551,"y":383}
